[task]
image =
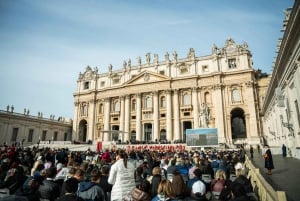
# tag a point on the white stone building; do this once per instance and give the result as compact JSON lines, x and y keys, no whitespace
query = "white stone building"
{"x":26,"y":129}
{"x":281,"y":107}
{"x":157,"y":100}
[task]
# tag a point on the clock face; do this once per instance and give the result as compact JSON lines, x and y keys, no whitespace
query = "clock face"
{"x":231,"y":48}
{"x":88,"y":74}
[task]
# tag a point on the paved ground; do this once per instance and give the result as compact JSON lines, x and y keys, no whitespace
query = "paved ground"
{"x":285,"y":177}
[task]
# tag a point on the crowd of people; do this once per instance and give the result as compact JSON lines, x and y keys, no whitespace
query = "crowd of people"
{"x":47,"y":174}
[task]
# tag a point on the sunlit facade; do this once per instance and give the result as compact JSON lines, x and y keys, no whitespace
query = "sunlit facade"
{"x":157,"y":100}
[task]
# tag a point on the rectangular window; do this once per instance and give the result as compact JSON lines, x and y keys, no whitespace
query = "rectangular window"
{"x":298,"y":112}
{"x":55,"y":136}
{"x":133,"y":117}
{"x":102,"y":83}
{"x":115,"y":119}
{"x":183,"y":70}
{"x":231,"y":63}
{"x":14,"y":134}
{"x":186,"y":114}
{"x":30,"y":135}
{"x":86,"y":85}
{"x":162,"y":115}
{"x":44,"y":135}
{"x":162,"y":72}
{"x":116,"y":81}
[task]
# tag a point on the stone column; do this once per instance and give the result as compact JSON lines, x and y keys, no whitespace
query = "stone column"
{"x":122,"y":116}
{"x":127,"y":118}
{"x":195,"y":107}
{"x":91,"y":120}
{"x":75,"y":122}
{"x":107,"y":120}
{"x":220,"y":116}
{"x":169,"y":115}
{"x":138,"y":117}
{"x":177,"y":125}
{"x":155,"y":116}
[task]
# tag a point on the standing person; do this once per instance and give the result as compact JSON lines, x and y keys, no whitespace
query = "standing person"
{"x":251,"y":151}
{"x":283,"y":150}
{"x":268,"y":160}
{"x":49,"y":189}
{"x":90,"y":190}
{"x":121,"y":176}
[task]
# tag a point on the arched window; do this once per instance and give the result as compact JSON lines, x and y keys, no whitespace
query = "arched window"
{"x":186,"y":99}
{"x":133,"y":105}
{"x":236,"y":96}
{"x":117,"y":106}
{"x":163,"y":102}
{"x":148,"y":102}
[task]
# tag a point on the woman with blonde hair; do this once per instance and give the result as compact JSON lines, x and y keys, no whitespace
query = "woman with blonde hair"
{"x":165,"y":191}
{"x":218,"y":184}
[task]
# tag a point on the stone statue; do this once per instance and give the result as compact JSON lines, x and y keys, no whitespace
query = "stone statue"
{"x":12,"y":108}
{"x":129,"y":63}
{"x":96,"y":69}
{"x":204,"y":116}
{"x":148,"y":58}
{"x":139,"y":61}
{"x":7,"y":108}
{"x":110,"y":68}
{"x":124,"y":64}
{"x":24,"y":111}
{"x":167,"y":56}
{"x":191,"y":53}
{"x":175,"y":55}
{"x":214,"y":49}
{"x":28,"y":112}
{"x":155,"y":58}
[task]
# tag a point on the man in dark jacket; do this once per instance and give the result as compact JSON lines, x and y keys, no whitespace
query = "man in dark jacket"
{"x":90,"y":190}
{"x":49,"y":189}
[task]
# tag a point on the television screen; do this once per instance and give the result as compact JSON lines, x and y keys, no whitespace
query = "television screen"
{"x":201,"y":137}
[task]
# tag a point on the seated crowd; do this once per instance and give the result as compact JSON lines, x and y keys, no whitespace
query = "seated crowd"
{"x":44,"y":174}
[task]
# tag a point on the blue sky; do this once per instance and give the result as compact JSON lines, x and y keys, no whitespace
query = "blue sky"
{"x":44,"y":44}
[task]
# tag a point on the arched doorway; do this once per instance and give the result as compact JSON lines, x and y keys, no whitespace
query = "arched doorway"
{"x":82,"y":130}
{"x":238,"y":124}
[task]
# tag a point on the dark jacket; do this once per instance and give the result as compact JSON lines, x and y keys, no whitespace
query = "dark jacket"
{"x":49,"y":189}
{"x":90,"y":191}
{"x":268,"y":160}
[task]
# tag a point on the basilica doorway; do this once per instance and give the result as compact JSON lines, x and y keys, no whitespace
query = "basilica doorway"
{"x":186,"y":125}
{"x":115,"y":135}
{"x":82,"y":130}
{"x":147,"y":132}
{"x":238,"y":124}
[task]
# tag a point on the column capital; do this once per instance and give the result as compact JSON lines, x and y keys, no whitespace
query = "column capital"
{"x":195,"y":89}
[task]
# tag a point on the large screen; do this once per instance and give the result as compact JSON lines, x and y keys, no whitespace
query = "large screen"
{"x":202,"y":137}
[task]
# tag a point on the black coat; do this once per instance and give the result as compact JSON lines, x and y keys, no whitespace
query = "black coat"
{"x":49,"y":189}
{"x":268,"y":160}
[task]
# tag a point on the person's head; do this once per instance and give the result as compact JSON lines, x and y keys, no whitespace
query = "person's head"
{"x":95,"y":176}
{"x":156,"y":171}
{"x":105,"y":170}
{"x":79,"y":174}
{"x":220,"y":174}
{"x":51,"y":172}
{"x":237,"y":190}
{"x":145,"y":185}
{"x":71,"y":185}
{"x":165,"y":187}
{"x":198,"y":173}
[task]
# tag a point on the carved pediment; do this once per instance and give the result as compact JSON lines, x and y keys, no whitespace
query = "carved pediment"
{"x":147,"y":77}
